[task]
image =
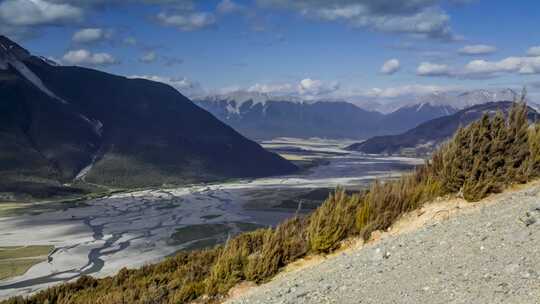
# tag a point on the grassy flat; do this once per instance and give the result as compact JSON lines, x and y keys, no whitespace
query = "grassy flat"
{"x":19,"y":252}
{"x":16,"y":260}
{"x":13,"y":268}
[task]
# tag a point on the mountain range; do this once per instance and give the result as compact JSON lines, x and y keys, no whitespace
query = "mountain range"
{"x":60,"y":124}
{"x":262,"y":116}
{"x":428,"y":135}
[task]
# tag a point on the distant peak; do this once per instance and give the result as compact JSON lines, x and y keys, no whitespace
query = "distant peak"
{"x":8,"y":46}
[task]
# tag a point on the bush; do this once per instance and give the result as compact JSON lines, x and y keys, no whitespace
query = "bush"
{"x":332,"y":221}
{"x":231,"y":265}
{"x":489,"y":155}
{"x":281,"y":246}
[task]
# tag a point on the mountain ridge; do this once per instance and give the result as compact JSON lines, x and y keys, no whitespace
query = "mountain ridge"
{"x":426,"y":136}
{"x":131,"y":132}
{"x":265,"y":116}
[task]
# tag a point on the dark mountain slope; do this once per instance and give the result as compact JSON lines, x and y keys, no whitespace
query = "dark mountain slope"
{"x":408,"y":117}
{"x":60,"y":120}
{"x":428,"y":135}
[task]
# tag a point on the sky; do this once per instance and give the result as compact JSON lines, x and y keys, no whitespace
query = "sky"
{"x":313,"y":49}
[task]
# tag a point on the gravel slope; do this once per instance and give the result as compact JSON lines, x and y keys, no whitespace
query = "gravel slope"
{"x":488,"y":254}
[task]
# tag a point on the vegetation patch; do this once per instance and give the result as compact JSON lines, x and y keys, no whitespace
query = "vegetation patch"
{"x":482,"y":158}
{"x":16,"y":260}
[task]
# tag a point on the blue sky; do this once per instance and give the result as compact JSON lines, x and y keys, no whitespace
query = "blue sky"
{"x":309,"y":48}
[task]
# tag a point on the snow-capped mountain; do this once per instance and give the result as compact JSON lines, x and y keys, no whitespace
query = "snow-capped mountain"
{"x":238,"y":101}
{"x":454,"y":100}
{"x":263,"y":116}
{"x":476,"y":97}
{"x":12,"y":55}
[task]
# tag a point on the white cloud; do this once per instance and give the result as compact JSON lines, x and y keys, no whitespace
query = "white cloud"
{"x":37,"y":12}
{"x":480,"y":68}
{"x":314,"y":87}
{"x":520,"y":65}
{"x":228,"y":7}
{"x":477,"y":49}
{"x":307,"y":88}
{"x":89,"y":35}
{"x":85,"y":57}
{"x":390,"y":67}
{"x":148,"y":57}
{"x":534,"y":51}
{"x":187,"y":21}
{"x":423,"y":18}
{"x":432,"y":69}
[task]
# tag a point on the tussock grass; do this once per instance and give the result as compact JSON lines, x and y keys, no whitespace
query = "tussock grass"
{"x":482,"y":158}
{"x":332,"y":221}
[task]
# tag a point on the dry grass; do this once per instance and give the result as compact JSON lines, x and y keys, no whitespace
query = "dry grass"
{"x":16,"y":260}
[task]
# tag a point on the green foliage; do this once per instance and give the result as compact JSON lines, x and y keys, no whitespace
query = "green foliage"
{"x":231,"y":265}
{"x":533,"y":164}
{"x":489,"y":155}
{"x":332,"y":221}
{"x":385,"y":202}
{"x":281,"y":246}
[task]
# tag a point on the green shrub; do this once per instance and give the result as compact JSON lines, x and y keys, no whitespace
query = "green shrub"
{"x":281,"y":246}
{"x":332,"y":221}
{"x":231,"y":265}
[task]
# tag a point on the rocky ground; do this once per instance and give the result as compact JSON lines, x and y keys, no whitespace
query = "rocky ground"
{"x":488,"y":252}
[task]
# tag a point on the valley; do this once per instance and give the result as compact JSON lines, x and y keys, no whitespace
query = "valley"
{"x":98,"y":237}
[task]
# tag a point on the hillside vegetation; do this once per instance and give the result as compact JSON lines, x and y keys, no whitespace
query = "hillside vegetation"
{"x":482,"y":158}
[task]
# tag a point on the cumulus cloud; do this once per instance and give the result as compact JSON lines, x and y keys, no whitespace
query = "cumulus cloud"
{"x":477,"y":49}
{"x":390,"y":67}
{"x":423,"y":18}
{"x":315,"y":87}
{"x":182,"y":84}
{"x":90,"y":35}
{"x":27,"y":17}
{"x":432,"y":69}
{"x":24,"y":18}
{"x":187,"y":20}
{"x":307,"y":88}
{"x":85,"y":57}
{"x":533,"y":51}
{"x":480,"y":68}
{"x":520,"y":65}
{"x":148,"y":57}
{"x":37,"y":12}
